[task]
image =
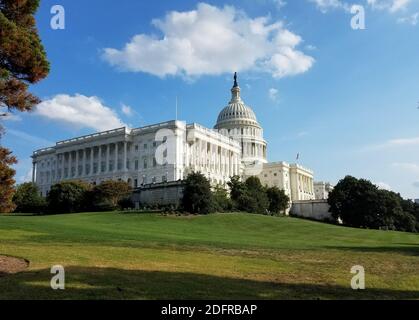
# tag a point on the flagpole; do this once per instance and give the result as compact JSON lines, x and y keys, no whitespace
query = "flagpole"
{"x":176,"y":108}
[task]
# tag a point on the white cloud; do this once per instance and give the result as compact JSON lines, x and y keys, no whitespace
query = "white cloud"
{"x":25,"y":178}
{"x":212,"y":41}
{"x":79,"y":111}
{"x":326,"y":5}
{"x":412,"y":19}
{"x":280,"y":3}
{"x":11,"y":117}
{"x":389,"y":5}
{"x":383,"y":186}
{"x":34,"y":140}
{"x":403,"y":142}
{"x":127,"y":110}
{"x":394,"y":143}
{"x":410,"y":167}
{"x":310,"y":47}
{"x":273,"y":94}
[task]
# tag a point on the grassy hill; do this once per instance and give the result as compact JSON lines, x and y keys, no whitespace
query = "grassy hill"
{"x":225,"y":256}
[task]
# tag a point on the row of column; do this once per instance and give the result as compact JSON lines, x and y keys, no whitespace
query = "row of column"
{"x":306,"y":184}
{"x":206,"y":156}
{"x":254,"y":149}
{"x":73,"y":157}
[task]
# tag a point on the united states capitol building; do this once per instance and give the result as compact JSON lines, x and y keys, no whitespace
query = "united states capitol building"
{"x":167,"y":152}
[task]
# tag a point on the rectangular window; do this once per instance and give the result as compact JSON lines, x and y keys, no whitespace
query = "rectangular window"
{"x":136,"y":164}
{"x":145,"y":163}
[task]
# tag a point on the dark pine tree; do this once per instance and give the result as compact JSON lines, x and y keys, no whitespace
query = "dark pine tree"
{"x":22,"y":62}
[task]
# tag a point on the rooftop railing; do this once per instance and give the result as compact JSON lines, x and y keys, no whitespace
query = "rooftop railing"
{"x":94,"y":135}
{"x":214,"y":133}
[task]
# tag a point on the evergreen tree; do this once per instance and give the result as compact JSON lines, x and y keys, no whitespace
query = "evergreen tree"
{"x":278,"y":200}
{"x":22,"y":62}
{"x":222,"y":202}
{"x":197,"y":196}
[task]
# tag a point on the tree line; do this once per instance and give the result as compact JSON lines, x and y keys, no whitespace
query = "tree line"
{"x":73,"y":196}
{"x":361,"y":204}
{"x":245,"y":196}
{"x":198,"y":197}
{"x":354,"y":202}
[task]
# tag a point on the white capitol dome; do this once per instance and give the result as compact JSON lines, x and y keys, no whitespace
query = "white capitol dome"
{"x":237,"y":112}
{"x":238,"y":121}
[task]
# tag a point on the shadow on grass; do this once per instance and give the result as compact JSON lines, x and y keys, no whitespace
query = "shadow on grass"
{"x":405,"y":249}
{"x":109,"y":283}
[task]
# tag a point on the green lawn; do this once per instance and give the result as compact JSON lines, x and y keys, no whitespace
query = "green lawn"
{"x":225,"y":256}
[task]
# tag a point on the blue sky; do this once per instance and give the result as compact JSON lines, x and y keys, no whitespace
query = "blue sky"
{"x":346,"y":100}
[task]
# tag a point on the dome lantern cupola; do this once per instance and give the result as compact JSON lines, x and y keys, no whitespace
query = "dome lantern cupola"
{"x":237,"y":112}
{"x":238,"y":121}
{"x":235,"y":91}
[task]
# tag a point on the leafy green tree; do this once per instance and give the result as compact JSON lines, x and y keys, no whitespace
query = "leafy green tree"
{"x":221,"y":200}
{"x":68,"y":197}
{"x":249,"y":196}
{"x":355,"y":202}
{"x":359,"y":203}
{"x":22,"y":62}
{"x":237,"y":188}
{"x":278,"y":200}
{"x":255,"y":199}
{"x":28,"y":199}
{"x":197,"y":196}
{"x":110,"y":195}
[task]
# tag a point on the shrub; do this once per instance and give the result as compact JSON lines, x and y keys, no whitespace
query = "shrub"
{"x":278,"y":200}
{"x":67,"y":197}
{"x":111,"y":195}
{"x":28,"y":199}
{"x":221,"y":200}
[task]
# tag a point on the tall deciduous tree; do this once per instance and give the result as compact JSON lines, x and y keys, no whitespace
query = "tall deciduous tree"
{"x":28,"y":199}
{"x":109,"y":194}
{"x":6,"y":180}
{"x":22,"y":62}
{"x":67,"y":196}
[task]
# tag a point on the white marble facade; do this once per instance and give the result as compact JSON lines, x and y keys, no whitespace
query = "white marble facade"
{"x":169,"y":151}
{"x":153,"y":154}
